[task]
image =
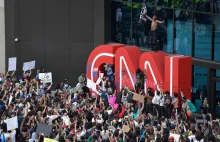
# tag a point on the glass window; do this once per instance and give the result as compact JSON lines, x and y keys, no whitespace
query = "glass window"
{"x":202,"y":5}
{"x":217,"y":38}
{"x":217,"y":6}
{"x":166,"y":29}
{"x":147,"y":2}
{"x":183,"y":4}
{"x":199,"y":85}
{"x":121,"y":22}
{"x":217,"y":73}
{"x":140,"y":28}
{"x":165,"y":3}
{"x":217,"y":98}
{"x":183,"y":32}
{"x":203,"y":36}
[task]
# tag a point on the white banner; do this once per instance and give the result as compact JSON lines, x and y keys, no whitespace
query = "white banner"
{"x":29,"y":65}
{"x":46,"y":77}
{"x":12,"y":123}
{"x":12,"y":62}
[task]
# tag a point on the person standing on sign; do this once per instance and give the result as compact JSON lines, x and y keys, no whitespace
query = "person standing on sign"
{"x":110,"y":73}
{"x":153,"y":38}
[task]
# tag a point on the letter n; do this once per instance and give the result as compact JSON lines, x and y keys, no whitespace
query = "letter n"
{"x":153,"y":64}
{"x":126,"y":65}
{"x":178,"y":74}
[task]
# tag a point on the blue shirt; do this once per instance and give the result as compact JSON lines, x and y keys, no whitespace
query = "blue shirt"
{"x":37,"y":76}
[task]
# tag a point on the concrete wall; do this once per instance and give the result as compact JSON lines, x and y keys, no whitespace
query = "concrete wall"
{"x":2,"y":37}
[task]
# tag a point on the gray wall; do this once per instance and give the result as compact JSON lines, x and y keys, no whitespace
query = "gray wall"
{"x":2,"y":37}
{"x":58,"y":34}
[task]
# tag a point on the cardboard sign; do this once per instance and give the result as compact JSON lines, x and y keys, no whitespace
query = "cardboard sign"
{"x":46,"y":77}
{"x":12,"y":62}
{"x":29,"y":65}
{"x":125,"y":128}
{"x":12,"y":123}
{"x":138,"y":97}
{"x":45,"y":129}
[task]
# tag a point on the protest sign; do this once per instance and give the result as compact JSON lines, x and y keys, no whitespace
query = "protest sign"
{"x":46,"y":77}
{"x":49,"y":140}
{"x":100,"y":78}
{"x":12,"y":62}
{"x":125,"y":128}
{"x":138,"y":97}
{"x":45,"y":129}
{"x":29,"y":65}
{"x":12,"y":123}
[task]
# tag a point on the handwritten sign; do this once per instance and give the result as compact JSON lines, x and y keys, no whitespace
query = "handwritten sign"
{"x":12,"y":62}
{"x":12,"y":123}
{"x":46,"y":77}
{"x":29,"y":65}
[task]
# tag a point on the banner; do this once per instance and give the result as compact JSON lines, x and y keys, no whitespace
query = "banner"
{"x":46,"y":77}
{"x":29,"y":65}
{"x":12,"y":123}
{"x":12,"y":62}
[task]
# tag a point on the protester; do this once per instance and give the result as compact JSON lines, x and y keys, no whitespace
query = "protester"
{"x":77,"y":114}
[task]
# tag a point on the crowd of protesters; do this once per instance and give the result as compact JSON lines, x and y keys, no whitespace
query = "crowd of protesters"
{"x":78,"y":115}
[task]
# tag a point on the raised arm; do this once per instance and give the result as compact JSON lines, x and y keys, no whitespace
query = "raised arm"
{"x":148,"y":17}
{"x":160,"y":22}
{"x":181,"y":92}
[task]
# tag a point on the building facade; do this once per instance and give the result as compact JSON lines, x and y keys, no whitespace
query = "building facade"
{"x":191,"y":28}
{"x":60,"y":34}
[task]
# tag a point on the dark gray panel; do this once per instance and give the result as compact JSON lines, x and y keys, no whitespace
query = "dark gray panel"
{"x":30,"y":52}
{"x":57,"y":61}
{"x":9,"y":31}
{"x":57,"y":38}
{"x":9,"y":20}
{"x":81,"y":21}
{"x":57,"y":21}
{"x":31,"y":21}
{"x":78,"y":59}
{"x":99,"y":21}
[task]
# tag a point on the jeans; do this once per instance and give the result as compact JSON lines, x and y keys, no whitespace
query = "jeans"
{"x":111,"y":78}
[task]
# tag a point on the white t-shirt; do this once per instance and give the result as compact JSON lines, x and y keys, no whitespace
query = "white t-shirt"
{"x":104,"y":134}
{"x":66,"y":120}
{"x":51,"y":118}
{"x":11,"y":135}
{"x":161,"y":101}
{"x":156,"y":99}
{"x":192,"y":137}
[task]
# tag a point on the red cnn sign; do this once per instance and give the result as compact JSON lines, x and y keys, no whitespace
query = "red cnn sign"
{"x":171,"y":72}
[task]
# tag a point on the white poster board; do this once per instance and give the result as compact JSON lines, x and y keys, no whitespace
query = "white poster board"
{"x":29,"y":65}
{"x":12,"y":62}
{"x":12,"y":123}
{"x":91,"y":85}
{"x":100,"y":78}
{"x":46,"y":77}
